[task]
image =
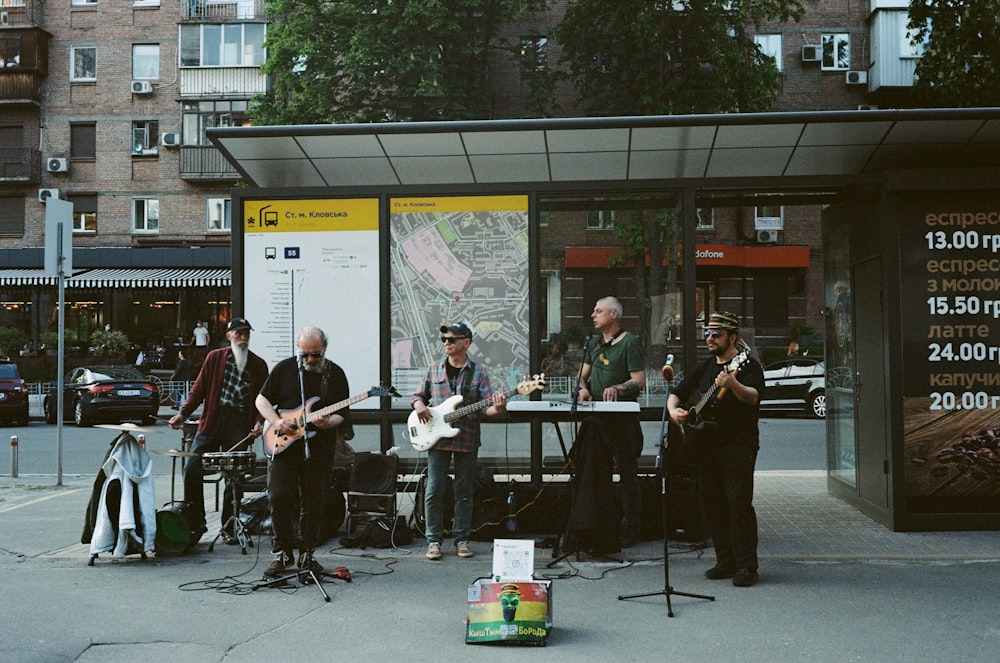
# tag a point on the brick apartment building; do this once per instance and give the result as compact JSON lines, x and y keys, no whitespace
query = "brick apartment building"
{"x":106,"y":105}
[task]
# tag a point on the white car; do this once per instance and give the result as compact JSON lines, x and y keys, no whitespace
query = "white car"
{"x":795,"y":384}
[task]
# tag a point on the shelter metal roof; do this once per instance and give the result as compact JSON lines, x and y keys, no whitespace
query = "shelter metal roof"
{"x":745,"y":148}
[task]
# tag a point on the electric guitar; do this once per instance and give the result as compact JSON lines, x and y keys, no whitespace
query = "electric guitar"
{"x":696,"y":413}
{"x":275,"y":443}
{"x":423,"y":436}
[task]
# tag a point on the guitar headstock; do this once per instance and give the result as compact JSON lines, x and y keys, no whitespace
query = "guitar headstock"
{"x":379,"y":390}
{"x":528,"y":386}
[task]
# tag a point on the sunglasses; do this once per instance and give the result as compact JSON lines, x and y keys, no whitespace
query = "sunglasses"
{"x":311,"y":355}
{"x":713,"y":334}
{"x":452,"y":339}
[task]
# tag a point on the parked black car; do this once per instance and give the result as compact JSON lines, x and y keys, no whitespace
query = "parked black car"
{"x":105,"y":394}
{"x":795,"y":384}
{"x":13,"y":394}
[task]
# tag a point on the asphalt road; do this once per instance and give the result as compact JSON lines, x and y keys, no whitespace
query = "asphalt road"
{"x":787,"y":443}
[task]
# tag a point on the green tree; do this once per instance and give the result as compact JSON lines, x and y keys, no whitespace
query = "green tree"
{"x":643,"y":57}
{"x":960,"y":65}
{"x":383,"y":60}
{"x":653,"y":57}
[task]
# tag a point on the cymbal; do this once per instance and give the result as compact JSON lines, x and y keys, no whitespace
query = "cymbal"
{"x":176,"y":453}
{"x":129,"y":428}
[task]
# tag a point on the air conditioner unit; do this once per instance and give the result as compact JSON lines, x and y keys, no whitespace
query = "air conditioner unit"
{"x":55,"y":165}
{"x":4,"y":18}
{"x":171,"y":139}
{"x":811,"y":53}
{"x":142,"y":87}
{"x":767,"y":236}
{"x":45,"y":194}
{"x":857,"y":78}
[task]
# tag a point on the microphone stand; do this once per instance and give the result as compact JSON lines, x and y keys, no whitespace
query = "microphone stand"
{"x":662,"y":453}
{"x":558,"y":552}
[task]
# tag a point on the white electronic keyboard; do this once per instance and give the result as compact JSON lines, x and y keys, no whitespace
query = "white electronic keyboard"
{"x":566,"y":407}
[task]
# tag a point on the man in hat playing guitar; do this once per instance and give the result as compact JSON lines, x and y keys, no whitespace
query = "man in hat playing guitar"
{"x":723,"y":426}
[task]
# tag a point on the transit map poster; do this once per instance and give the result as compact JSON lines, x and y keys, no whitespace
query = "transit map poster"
{"x":459,"y":259}
{"x":315,"y":262}
{"x":950,"y":281}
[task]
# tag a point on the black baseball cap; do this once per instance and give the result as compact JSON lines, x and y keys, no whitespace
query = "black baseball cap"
{"x":458,"y":329}
{"x":238,"y":324}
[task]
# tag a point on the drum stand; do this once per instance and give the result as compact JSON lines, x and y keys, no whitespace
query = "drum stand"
{"x":233,"y":478}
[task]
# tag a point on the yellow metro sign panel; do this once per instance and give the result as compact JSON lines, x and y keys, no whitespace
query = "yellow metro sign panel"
{"x":310,"y":215}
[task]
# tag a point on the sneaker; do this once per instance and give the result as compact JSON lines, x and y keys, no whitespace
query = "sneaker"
{"x":720,"y":572}
{"x":464,"y":549}
{"x":433,"y":550}
{"x":282,"y":561}
{"x":745,"y":577}
{"x":308,"y":563}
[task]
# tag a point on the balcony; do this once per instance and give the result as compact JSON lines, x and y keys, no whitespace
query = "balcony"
{"x":205,"y":164}
{"x":20,"y":166}
{"x":213,"y":11}
{"x":214,"y":82}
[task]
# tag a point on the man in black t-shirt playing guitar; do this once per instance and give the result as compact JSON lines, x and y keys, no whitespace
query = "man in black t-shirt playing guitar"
{"x":722,"y":426}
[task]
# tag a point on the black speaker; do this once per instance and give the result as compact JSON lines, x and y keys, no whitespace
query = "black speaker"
{"x":374,"y":474}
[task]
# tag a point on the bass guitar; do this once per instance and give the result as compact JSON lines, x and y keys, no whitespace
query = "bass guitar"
{"x":424,"y":436}
{"x":275,"y":443}
{"x":696,"y":413}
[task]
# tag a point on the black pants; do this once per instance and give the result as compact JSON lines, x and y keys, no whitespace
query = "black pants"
{"x":229,"y":428}
{"x":727,"y":497}
{"x":293,"y":480}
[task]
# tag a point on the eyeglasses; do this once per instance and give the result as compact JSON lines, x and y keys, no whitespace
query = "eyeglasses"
{"x":311,"y":355}
{"x":452,"y":339}
{"x":713,"y":334}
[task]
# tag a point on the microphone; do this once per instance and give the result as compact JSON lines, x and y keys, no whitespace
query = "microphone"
{"x":668,"y":368}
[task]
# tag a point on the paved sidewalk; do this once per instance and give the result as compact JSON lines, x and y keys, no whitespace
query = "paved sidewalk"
{"x":835,"y":586}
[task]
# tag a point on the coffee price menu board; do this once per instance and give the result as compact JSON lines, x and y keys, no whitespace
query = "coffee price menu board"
{"x":950,"y":281}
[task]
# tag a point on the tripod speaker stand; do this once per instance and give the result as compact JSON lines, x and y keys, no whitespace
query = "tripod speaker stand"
{"x":661,"y":468}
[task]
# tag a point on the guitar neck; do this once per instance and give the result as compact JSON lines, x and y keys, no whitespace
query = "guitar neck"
{"x":330,"y":409}
{"x":475,"y":407}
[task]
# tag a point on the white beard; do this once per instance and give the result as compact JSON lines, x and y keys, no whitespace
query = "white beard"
{"x":240,"y":354}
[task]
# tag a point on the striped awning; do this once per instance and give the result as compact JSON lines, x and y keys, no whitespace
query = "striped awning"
{"x":9,"y":277}
{"x":164,"y":277}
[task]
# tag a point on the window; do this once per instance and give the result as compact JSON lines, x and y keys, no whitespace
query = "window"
{"x":12,"y":216}
{"x":768,"y":217}
{"x":836,"y":51}
{"x":146,"y":61}
{"x":145,"y":137}
{"x":219,"y":214}
{"x":84,"y":3}
{"x":145,"y":215}
{"x":534,"y":54}
{"x":706,"y":218}
{"x":197,"y":116}
{"x":770,"y":45}
{"x":10,"y":51}
{"x":83,"y":64}
{"x":600,"y":219}
{"x":83,"y":141}
{"x":84,"y":212}
{"x":225,"y":45}
{"x":908,"y":49}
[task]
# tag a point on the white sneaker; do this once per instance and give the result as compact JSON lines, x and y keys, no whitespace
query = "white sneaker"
{"x":464,"y":549}
{"x":433,"y":550}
